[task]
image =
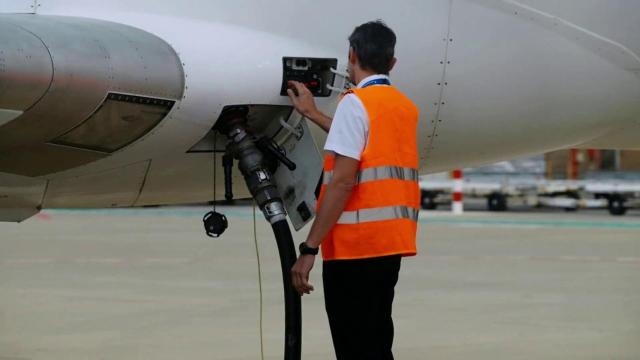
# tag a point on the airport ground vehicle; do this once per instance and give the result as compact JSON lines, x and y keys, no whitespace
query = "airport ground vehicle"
{"x":617,"y":196}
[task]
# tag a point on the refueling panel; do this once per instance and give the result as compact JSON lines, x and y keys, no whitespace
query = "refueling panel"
{"x":314,"y":73}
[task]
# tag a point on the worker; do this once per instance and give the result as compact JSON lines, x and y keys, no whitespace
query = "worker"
{"x":368,"y":205}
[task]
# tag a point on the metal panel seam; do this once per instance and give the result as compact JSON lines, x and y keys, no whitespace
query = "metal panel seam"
{"x":44,"y":194}
{"x":144,"y":181}
{"x":445,"y":62}
{"x":53,"y":69}
{"x":577,"y":28}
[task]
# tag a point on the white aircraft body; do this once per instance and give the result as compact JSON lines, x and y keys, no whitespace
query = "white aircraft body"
{"x":111,"y":103}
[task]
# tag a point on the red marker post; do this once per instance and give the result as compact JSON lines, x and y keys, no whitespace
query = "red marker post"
{"x":457,"y":207}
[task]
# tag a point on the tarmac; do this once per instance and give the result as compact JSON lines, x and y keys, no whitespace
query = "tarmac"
{"x":148,"y":284}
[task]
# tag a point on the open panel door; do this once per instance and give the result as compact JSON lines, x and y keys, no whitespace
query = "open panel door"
{"x":297,"y":187}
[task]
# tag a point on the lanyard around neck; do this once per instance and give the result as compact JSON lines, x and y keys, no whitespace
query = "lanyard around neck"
{"x":381,"y":81}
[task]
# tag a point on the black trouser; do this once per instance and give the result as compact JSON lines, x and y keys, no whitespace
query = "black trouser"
{"x":358,"y":297}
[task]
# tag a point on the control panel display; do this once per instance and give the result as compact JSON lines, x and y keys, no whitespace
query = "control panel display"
{"x":314,"y":73}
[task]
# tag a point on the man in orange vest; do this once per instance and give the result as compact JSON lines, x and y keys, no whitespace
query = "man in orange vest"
{"x":368,"y":205}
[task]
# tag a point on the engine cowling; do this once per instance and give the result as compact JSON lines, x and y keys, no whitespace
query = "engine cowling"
{"x":75,"y":90}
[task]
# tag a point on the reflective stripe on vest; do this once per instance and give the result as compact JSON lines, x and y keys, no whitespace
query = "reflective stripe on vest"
{"x":379,"y":173}
{"x":378,"y":214}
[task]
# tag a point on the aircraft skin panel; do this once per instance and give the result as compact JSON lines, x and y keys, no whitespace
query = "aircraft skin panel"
{"x":118,"y":187}
{"x":490,"y":84}
{"x":20,"y":197}
{"x":521,"y":100}
{"x":7,"y":115}
{"x":624,"y":138}
{"x":617,"y":20}
{"x":167,"y":184}
{"x":18,"y":6}
{"x":32,"y":63}
{"x":584,"y":28}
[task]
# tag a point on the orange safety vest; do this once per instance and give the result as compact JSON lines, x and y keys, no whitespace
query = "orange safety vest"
{"x":380,"y":217}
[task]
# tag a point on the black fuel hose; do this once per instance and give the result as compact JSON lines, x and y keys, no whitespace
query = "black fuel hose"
{"x":292,"y":303}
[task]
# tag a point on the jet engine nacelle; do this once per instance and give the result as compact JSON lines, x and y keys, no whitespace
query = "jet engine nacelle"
{"x":74,"y":90}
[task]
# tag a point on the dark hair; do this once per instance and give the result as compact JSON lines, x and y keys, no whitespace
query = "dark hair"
{"x":374,"y":43}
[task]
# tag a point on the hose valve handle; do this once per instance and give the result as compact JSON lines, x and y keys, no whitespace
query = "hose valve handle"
{"x":267,"y":146}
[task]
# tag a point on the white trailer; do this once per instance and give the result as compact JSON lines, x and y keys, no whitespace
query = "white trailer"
{"x":436,"y":191}
{"x":571,"y":195}
{"x":619,"y":195}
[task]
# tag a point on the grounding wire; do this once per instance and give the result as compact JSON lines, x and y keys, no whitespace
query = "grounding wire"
{"x":255,"y":241}
{"x":215,"y":166}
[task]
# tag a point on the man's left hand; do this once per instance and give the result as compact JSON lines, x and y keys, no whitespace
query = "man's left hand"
{"x":300,"y":274}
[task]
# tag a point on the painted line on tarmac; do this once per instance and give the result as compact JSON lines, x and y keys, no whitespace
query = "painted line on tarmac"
{"x":168,"y":260}
{"x":96,"y":260}
{"x":150,"y":212}
{"x":534,"y":223}
{"x":246,"y":213}
{"x":99,"y":260}
{"x":29,"y":261}
{"x":599,"y":259}
{"x":189,"y":260}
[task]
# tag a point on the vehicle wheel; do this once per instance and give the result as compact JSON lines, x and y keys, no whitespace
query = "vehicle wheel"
{"x":428,"y":200}
{"x":616,"y":205}
{"x":497,"y":202}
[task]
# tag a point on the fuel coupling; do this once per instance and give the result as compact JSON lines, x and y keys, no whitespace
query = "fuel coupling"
{"x":255,"y":167}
